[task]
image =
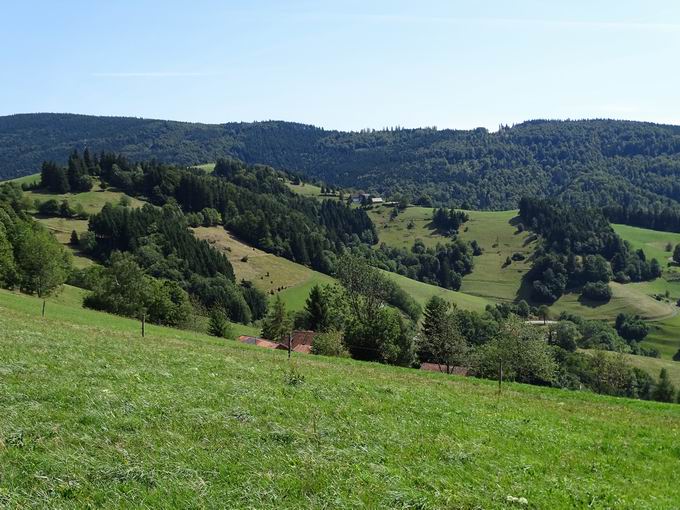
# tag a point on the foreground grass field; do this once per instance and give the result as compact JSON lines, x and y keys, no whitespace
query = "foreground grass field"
{"x":94,"y":416}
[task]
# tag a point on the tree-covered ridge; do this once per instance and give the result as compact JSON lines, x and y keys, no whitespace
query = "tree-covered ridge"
{"x":587,"y":163}
{"x":251,"y":201}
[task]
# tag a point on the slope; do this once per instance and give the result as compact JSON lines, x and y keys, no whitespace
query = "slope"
{"x":498,"y":235}
{"x":95,"y":416}
{"x":664,"y":334}
{"x":293,"y":281}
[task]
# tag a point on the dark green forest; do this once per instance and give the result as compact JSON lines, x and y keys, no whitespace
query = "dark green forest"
{"x":590,"y":163}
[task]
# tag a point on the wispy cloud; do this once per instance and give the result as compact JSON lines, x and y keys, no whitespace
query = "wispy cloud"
{"x":154,"y":74}
{"x":537,"y":22}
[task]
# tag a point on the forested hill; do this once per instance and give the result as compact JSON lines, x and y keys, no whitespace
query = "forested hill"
{"x":589,"y":162}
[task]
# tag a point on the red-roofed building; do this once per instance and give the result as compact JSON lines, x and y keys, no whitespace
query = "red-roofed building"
{"x":260,"y":342}
{"x":302,"y":338}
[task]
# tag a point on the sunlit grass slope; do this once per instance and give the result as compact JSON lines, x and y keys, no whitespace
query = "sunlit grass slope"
{"x":95,"y":416}
{"x":664,"y":334}
{"x":271,"y":273}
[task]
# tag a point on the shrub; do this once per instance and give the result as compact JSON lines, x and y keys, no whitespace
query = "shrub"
{"x":597,"y":291}
{"x":330,"y":344}
{"x":49,"y":208}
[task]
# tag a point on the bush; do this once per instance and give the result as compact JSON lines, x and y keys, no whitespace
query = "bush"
{"x":518,"y":256}
{"x":330,"y":344}
{"x":597,"y":291}
{"x":49,"y":208}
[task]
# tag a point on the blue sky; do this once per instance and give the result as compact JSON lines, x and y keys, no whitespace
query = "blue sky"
{"x":345,"y":65}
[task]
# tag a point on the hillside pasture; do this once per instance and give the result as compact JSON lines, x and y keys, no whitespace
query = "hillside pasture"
{"x":92,"y":201}
{"x":95,"y":416}
{"x":62,"y":229}
{"x":268,"y":272}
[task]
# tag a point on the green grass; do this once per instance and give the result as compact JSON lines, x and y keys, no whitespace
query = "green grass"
{"x":422,"y":292}
{"x":95,"y":416}
{"x":269,"y":273}
{"x":493,"y":230}
{"x":664,"y":334}
{"x":92,"y":201}
{"x":653,"y":242}
{"x":654,"y":365}
{"x":206,"y":167}
{"x":62,"y":228}
{"x":26,"y":179}
{"x":497,"y":234}
{"x":625,"y":298}
{"x":67,"y":306}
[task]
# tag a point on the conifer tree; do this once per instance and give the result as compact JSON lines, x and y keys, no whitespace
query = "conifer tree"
{"x":316,"y":307}
{"x":664,"y":390}
{"x":276,"y":325}
{"x":219,"y":325}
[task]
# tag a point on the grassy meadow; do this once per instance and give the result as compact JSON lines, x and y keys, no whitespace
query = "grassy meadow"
{"x":92,"y":201}
{"x":493,"y":230}
{"x":665,"y":333}
{"x":271,"y":273}
{"x":268,"y":272}
{"x":95,"y":416}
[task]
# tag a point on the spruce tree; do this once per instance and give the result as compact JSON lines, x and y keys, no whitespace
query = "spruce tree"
{"x":318,"y":317}
{"x":219,"y":325}
{"x":664,"y":390}
{"x":276,"y":325}
{"x":676,"y":254}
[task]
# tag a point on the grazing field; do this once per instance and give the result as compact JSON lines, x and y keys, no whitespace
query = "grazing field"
{"x":268,"y":272}
{"x":396,"y":232}
{"x":271,"y":273}
{"x":92,"y":201}
{"x":311,"y":190}
{"x":493,"y":230}
{"x":206,"y":167}
{"x":498,"y":236}
{"x":664,"y":334}
{"x":625,"y":298}
{"x":422,"y":292}
{"x":95,"y":416}
{"x":62,"y":228}
{"x":26,"y":179}
{"x":654,"y":365}
{"x":653,"y":242}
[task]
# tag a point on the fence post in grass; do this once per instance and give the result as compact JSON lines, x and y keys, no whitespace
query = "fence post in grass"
{"x":289,"y":341}
{"x":500,"y":377}
{"x":143,"y":323}
{"x":43,"y":307}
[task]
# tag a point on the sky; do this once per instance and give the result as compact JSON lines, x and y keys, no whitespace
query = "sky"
{"x":344,"y":65}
